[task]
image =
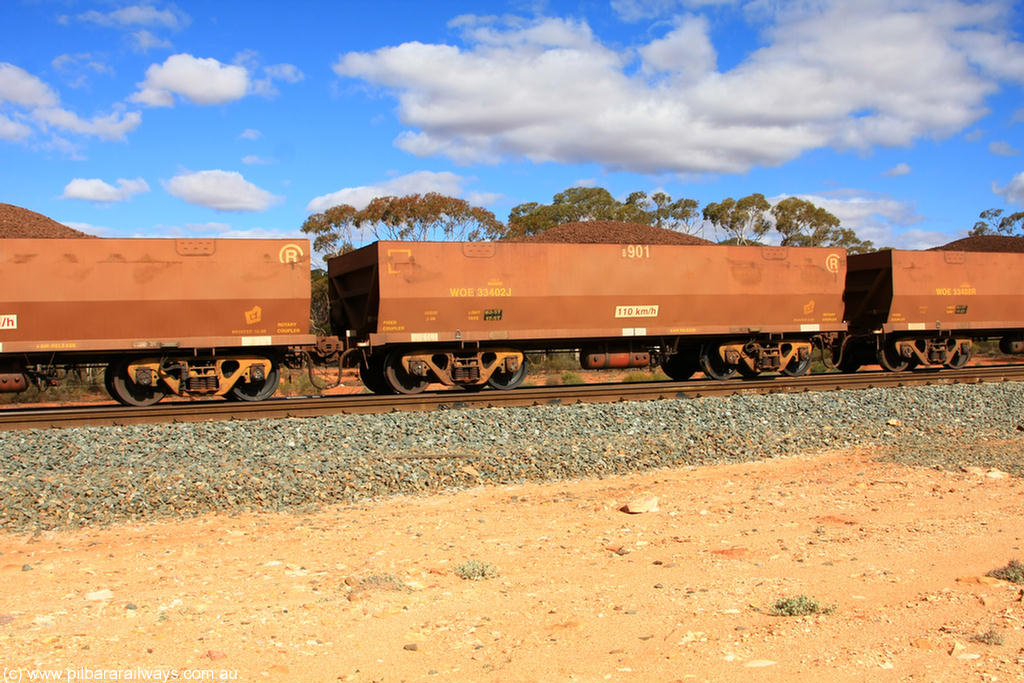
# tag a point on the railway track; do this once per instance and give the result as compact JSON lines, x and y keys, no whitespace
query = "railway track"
{"x":195,"y":411}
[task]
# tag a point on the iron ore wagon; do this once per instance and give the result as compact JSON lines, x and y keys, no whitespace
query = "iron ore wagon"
{"x":164,"y":316}
{"x":463,"y":314}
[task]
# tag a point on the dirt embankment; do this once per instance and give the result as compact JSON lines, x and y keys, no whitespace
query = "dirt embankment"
{"x":574,"y":589}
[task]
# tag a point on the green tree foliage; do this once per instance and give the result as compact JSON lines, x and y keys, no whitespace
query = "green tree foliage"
{"x":596,"y":203}
{"x":411,"y":217}
{"x":994,"y":222}
{"x":319,"y":304}
{"x":803,"y":224}
{"x":745,"y":220}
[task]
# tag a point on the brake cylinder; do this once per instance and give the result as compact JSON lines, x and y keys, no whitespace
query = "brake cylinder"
{"x":612,"y":358}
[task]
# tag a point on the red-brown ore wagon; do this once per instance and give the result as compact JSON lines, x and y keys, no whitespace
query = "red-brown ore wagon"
{"x":464,"y":313}
{"x":181,"y":316}
{"x":906,"y":308}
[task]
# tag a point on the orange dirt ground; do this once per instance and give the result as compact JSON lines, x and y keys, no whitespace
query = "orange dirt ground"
{"x":583,"y":591}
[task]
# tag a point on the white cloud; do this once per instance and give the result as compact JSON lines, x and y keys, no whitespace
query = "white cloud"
{"x":635,"y":10}
{"x":138,"y":15}
{"x":22,"y":88}
{"x":899,"y":169}
{"x":41,"y":107}
{"x":284,"y":72}
{"x":253,"y":159}
{"x":113,"y":126}
{"x":882,"y":219}
{"x":96,"y":190}
{"x":13,"y":130}
{"x":685,"y":54}
{"x":144,"y":41}
{"x":1013,"y":192}
{"x":221,"y":190}
{"x":76,"y":68}
{"x":1003,"y":148}
{"x":419,"y":182}
{"x":276,"y":72}
{"x":830,"y":74}
{"x":250,"y":134}
{"x":202,"y":81}
{"x":483,"y":198}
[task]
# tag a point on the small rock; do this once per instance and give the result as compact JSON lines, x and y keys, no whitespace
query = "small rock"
{"x":893,"y":422}
{"x":214,"y":655}
{"x":470,"y":470}
{"x":131,"y":606}
{"x":986,"y":580}
{"x":968,"y":655}
{"x":641,"y":504}
{"x":923,"y":644}
{"x":758,"y":663}
{"x":279,"y":669}
{"x":26,"y":567}
{"x":105,"y":594}
{"x":5,"y":619}
{"x":412,"y":647}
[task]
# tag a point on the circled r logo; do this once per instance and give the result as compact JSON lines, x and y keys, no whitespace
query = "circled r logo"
{"x":832,"y":263}
{"x":290,"y":253}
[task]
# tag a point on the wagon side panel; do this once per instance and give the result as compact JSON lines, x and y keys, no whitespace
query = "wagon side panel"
{"x":493,"y":291}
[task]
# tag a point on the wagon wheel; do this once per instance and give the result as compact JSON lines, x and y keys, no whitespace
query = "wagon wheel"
{"x":796,"y":367}
{"x":509,"y":380}
{"x":747,"y":371}
{"x":400,"y":381}
{"x":679,"y":366}
{"x":712,"y":364}
{"x":890,"y":359}
{"x":124,"y":389}
{"x":256,"y":391}
{"x":958,"y":359}
{"x":371,"y":373}
{"x":850,"y":362}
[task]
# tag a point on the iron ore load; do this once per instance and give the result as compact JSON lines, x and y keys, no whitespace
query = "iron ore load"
{"x":221,"y":317}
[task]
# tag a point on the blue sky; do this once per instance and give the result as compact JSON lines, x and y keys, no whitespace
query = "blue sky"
{"x":121,"y":118}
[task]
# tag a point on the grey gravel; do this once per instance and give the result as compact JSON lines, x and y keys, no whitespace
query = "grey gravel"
{"x":99,"y":475}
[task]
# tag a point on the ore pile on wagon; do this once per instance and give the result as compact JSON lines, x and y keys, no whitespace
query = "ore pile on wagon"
{"x":22,"y":223}
{"x":988,"y":243}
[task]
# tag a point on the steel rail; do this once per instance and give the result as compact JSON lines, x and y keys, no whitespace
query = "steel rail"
{"x":196,"y":411}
